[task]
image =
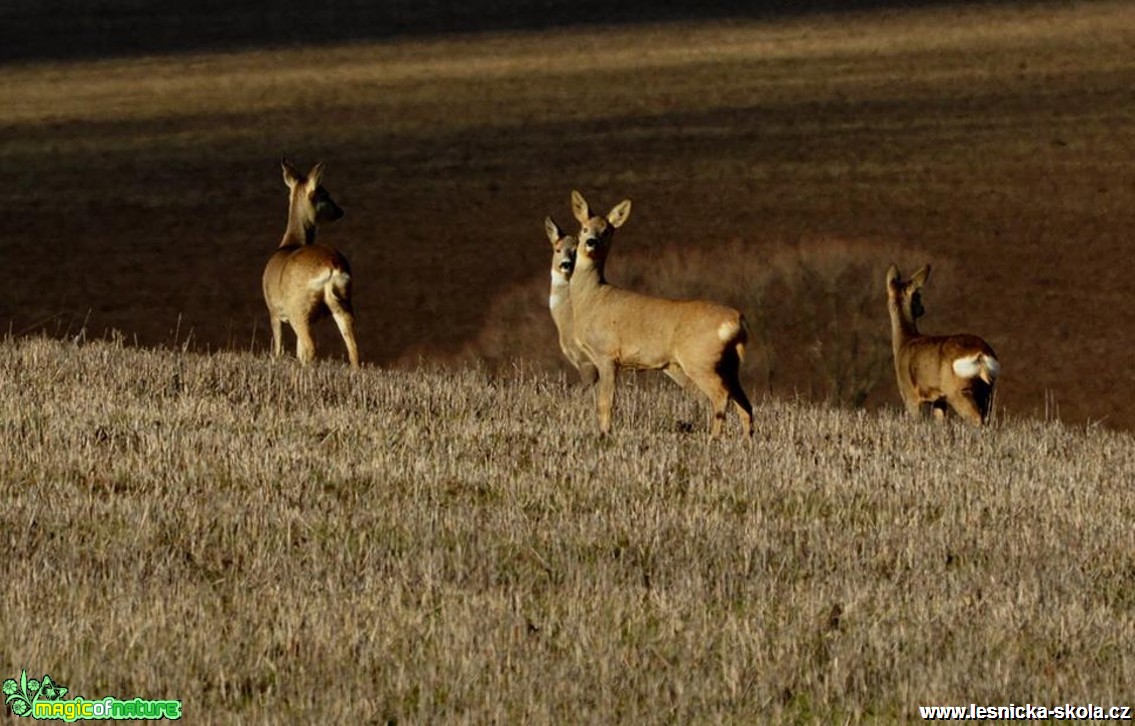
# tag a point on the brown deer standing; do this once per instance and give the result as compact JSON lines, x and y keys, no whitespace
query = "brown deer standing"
{"x":304,"y":281}
{"x":937,"y":370}
{"x":559,"y":300}
{"x":690,"y":340}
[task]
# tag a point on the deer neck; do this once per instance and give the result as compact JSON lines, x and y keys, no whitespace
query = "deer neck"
{"x":301,"y":228}
{"x":559,"y":303}
{"x":903,"y":327}
{"x":586,"y":281}
{"x":560,"y":292}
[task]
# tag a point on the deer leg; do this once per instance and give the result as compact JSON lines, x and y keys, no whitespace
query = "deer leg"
{"x":741,"y":402}
{"x":305,"y":346}
{"x":964,"y":405}
{"x":914,"y":407}
{"x":605,"y":395}
{"x":981,"y":394}
{"x":718,"y":394}
{"x":346,"y":323}
{"x":277,"y":335}
{"x":730,"y":370}
{"x":588,"y":373}
{"x":345,"y":319}
{"x":677,"y":375}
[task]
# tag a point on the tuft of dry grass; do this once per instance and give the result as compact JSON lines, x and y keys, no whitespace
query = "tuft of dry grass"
{"x":269,"y":542}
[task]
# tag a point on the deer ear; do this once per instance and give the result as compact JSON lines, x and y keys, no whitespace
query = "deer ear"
{"x":315,"y":176}
{"x":893,"y":275}
{"x":291,"y":176}
{"x":579,"y":207}
{"x":553,"y":230}
{"x":620,"y":213}
{"x":919,"y":278}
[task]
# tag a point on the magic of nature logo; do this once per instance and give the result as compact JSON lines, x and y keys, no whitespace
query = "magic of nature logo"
{"x":46,"y":699}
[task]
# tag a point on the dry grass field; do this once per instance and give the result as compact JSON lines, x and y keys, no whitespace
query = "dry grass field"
{"x":441,"y":536}
{"x":272,"y":543}
{"x":993,"y":142}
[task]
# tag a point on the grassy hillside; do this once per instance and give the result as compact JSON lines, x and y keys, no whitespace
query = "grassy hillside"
{"x":267,"y":542}
{"x":990,"y":141}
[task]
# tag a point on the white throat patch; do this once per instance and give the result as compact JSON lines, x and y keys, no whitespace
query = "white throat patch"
{"x":560,"y":285}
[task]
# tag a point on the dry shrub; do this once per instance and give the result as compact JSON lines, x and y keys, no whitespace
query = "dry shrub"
{"x":831,"y":317}
{"x":816,"y":311}
{"x":518,"y":325}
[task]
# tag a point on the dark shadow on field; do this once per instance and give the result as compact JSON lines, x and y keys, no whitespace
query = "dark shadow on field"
{"x":72,"y":29}
{"x":436,"y":228}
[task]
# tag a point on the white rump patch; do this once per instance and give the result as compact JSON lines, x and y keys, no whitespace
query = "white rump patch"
{"x":968,"y":367}
{"x":320,"y":280}
{"x":974,"y":365}
{"x":727,"y":331}
{"x":993,"y":366}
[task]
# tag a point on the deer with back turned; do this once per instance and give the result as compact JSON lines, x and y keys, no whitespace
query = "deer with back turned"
{"x":305,"y":281}
{"x":958,"y":371}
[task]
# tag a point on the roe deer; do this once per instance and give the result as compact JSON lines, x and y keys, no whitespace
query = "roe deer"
{"x":304,"y":281}
{"x":691,"y":340}
{"x":939,"y":370}
{"x":559,"y":300}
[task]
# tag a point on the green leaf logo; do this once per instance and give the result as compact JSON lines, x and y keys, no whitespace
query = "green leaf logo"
{"x":52,"y":691}
{"x":21,"y":696}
